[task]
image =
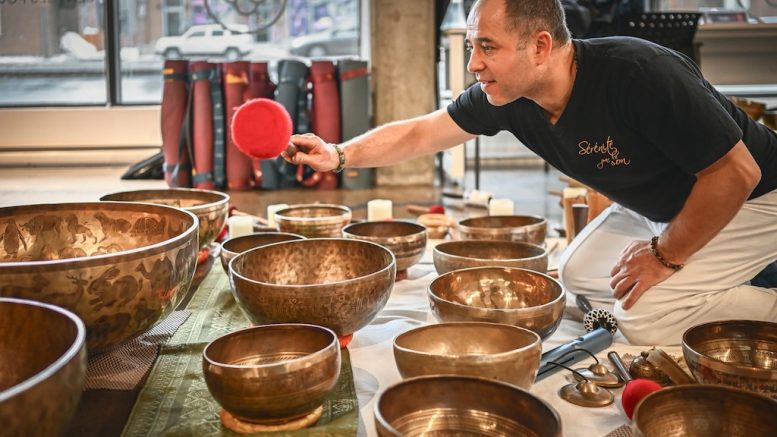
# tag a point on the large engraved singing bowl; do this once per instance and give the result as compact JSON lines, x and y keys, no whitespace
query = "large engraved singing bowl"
{"x":739,"y":353}
{"x":314,"y":221}
{"x":42,"y":367}
{"x":272,"y":373}
{"x":407,"y":241}
{"x":462,"y":406}
{"x":338,"y":283}
{"x":488,"y":350}
{"x":119,"y":266}
{"x":519,"y":297}
{"x":703,"y":411}
{"x":210,"y":207}
{"x":237,"y":245}
{"x":457,"y":255}
{"x":526,"y":228}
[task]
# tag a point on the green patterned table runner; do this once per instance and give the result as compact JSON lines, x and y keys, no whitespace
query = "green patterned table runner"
{"x":175,"y":400}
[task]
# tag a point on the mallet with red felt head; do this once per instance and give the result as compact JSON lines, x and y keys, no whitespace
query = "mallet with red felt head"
{"x":261,"y":128}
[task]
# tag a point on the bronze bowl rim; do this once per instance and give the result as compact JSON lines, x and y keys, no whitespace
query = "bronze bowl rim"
{"x":553,"y":302}
{"x":382,"y":271}
{"x":449,"y":255}
{"x":420,"y":230}
{"x":462,"y":225}
{"x":345,"y":212}
{"x":537,"y":340}
{"x":90,"y":261}
{"x":225,"y":250}
{"x":723,"y":366}
{"x":72,"y":351}
{"x":223,"y":197}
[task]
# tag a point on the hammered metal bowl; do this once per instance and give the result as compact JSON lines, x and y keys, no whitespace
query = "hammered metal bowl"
{"x":526,"y":228}
{"x":272,"y":373}
{"x":739,"y":353}
{"x":487,"y":350}
{"x":462,"y":406}
{"x":210,"y":207}
{"x":705,"y":410}
{"x":42,"y":367}
{"x":237,"y":245}
{"x":338,"y":283}
{"x":407,"y":241}
{"x":519,"y":297}
{"x":456,"y":255}
{"x":314,"y":221}
{"x":119,"y":266}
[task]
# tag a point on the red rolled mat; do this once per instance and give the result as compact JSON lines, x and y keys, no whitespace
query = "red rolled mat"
{"x":177,"y":165}
{"x":260,"y":86}
{"x":325,"y":114}
{"x":202,"y":118}
{"x":239,"y":170}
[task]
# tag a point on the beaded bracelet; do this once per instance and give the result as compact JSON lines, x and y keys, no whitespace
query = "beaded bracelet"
{"x":340,"y":158}
{"x":661,"y":259}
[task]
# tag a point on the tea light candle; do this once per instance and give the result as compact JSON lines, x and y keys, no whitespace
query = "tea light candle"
{"x":379,"y":209}
{"x":500,"y":207}
{"x":271,"y":210}
{"x":240,"y":225}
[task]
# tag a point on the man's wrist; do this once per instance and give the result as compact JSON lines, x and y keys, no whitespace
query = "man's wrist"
{"x":660,"y":256}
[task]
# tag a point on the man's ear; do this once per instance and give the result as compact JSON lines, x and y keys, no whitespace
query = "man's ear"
{"x":543,"y":44}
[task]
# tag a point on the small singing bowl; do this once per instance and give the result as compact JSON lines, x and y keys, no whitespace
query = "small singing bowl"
{"x":456,"y":255}
{"x":738,"y":353}
{"x":314,"y":221}
{"x":511,"y":296}
{"x":43,"y":356}
{"x":237,"y":245}
{"x":488,"y":350}
{"x":526,"y":228}
{"x":210,"y":207}
{"x":452,"y":405}
{"x":273,"y":373}
{"x":407,"y":241}
{"x":752,"y":108}
{"x":338,"y":283}
{"x":696,"y":410}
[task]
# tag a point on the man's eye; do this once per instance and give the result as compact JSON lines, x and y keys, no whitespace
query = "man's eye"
{"x":487,"y":49}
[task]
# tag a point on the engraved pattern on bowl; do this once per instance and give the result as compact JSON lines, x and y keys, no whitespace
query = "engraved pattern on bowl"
{"x":457,"y":255}
{"x":512,"y":296}
{"x":314,"y":220}
{"x":119,"y":266}
{"x":237,"y":245}
{"x":407,"y":241}
{"x":526,"y":228}
{"x":338,"y":283}
{"x":210,"y":207}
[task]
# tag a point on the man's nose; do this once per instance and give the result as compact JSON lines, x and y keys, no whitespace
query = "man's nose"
{"x":474,"y":64}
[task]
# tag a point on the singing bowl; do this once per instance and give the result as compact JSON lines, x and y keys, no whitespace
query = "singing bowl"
{"x":237,"y":245}
{"x":488,"y":350}
{"x":456,"y":255}
{"x":462,"y":406}
{"x":272,"y":373}
{"x":752,"y":108}
{"x":338,"y":283}
{"x":738,"y":353}
{"x":526,"y":228}
{"x":314,"y":221}
{"x":43,"y":362}
{"x":119,"y":266}
{"x":696,"y":410}
{"x":511,"y":296}
{"x":407,"y":241}
{"x":210,"y":207}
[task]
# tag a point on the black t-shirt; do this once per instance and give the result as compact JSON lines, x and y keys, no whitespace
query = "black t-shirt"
{"x":641,"y":121}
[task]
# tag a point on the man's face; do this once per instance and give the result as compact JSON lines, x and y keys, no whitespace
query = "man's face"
{"x":499,"y":59}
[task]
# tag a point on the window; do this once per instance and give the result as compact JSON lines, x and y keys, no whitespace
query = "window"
{"x":721,"y":11}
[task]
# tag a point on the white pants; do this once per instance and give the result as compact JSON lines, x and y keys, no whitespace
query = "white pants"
{"x":713,"y":285}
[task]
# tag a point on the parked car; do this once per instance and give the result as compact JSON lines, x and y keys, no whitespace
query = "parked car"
{"x":207,"y":40}
{"x":328,"y":43}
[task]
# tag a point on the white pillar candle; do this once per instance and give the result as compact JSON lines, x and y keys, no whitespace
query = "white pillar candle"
{"x":271,"y":210}
{"x":379,"y":209}
{"x":500,"y":207}
{"x":240,"y":225}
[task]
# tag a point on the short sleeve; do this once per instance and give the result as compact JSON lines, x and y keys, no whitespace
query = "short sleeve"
{"x":473,"y":113}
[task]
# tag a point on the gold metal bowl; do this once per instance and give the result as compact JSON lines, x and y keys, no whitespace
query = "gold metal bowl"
{"x":462,"y":406}
{"x":456,"y":255}
{"x":210,"y":207}
{"x":754,"y":109}
{"x":705,"y":410}
{"x":487,"y":350}
{"x":519,"y":297}
{"x":274,"y":373}
{"x":739,"y":353}
{"x":407,"y":241}
{"x":237,"y":245}
{"x":119,"y":266}
{"x":338,"y":283}
{"x":526,"y":228}
{"x":314,"y":220}
{"x":43,"y":362}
